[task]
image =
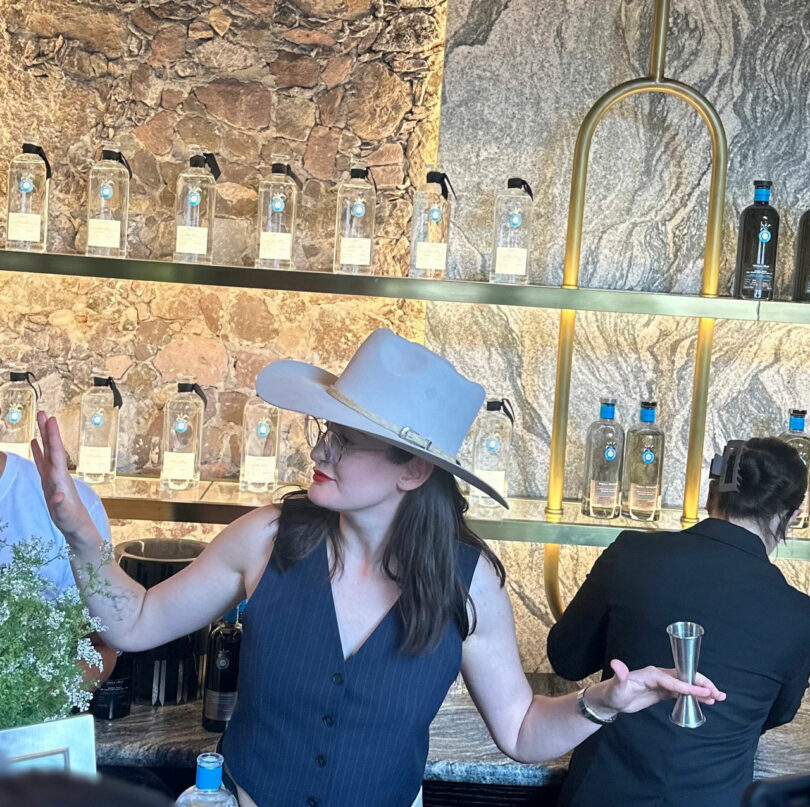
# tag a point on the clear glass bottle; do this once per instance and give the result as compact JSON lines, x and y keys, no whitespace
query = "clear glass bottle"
{"x":756,"y":246}
{"x":354,"y":227}
{"x":29,"y":179}
{"x":196,"y":208}
{"x":222,"y":672}
{"x":512,"y":233}
{"x":98,"y":430}
{"x":208,"y":790}
{"x":492,"y":452}
{"x":108,"y":205}
{"x":430,"y":226}
{"x":795,"y":436}
{"x":604,"y":450}
{"x":643,"y":467}
{"x":278,"y":203}
{"x":183,"y":437}
{"x":260,"y":438}
{"x":801,"y":269}
{"x":18,"y":412}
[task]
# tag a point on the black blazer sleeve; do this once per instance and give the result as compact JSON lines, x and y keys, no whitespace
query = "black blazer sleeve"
{"x":788,"y":700}
{"x":576,"y":644}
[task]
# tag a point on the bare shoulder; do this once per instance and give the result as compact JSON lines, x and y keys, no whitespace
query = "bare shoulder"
{"x":489,"y":598}
{"x":251,"y":537}
{"x":486,"y":581}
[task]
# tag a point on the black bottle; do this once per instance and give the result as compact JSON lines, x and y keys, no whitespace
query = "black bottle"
{"x":756,"y":247}
{"x":801,"y":272}
{"x":222,"y":672}
{"x":114,"y":697}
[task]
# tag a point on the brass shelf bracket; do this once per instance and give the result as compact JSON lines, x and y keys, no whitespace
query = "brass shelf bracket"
{"x":655,"y":82}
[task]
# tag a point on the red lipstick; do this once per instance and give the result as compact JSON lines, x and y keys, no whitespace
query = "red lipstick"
{"x":320,"y":476}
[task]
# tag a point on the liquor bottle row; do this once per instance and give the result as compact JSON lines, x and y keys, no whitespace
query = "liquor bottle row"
{"x":182,"y":432}
{"x":195,"y":215}
{"x":757,"y":243}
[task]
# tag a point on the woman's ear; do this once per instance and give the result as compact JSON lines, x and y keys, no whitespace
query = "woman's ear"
{"x":415,"y":472}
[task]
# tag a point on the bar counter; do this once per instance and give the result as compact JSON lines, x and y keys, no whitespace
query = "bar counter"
{"x":461,"y":749}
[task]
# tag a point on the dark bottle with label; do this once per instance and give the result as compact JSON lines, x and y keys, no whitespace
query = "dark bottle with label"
{"x":222,"y":672}
{"x":756,"y":247}
{"x":801,"y":272}
{"x":114,"y":697}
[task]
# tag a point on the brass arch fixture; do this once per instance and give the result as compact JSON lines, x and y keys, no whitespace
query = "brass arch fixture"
{"x":654,"y":82}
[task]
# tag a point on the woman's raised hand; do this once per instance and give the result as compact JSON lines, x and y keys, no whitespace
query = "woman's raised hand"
{"x":66,"y":508}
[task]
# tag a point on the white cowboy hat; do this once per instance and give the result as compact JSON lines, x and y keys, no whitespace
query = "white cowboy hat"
{"x":393,"y":389}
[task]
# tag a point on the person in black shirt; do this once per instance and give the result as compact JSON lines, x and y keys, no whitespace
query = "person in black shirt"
{"x":756,"y":645}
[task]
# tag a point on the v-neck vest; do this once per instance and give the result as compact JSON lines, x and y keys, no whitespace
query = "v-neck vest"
{"x":311,"y":729}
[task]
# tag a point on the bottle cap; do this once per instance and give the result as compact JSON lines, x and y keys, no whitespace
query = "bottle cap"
{"x":209,"y":771}
{"x":359,"y":173}
{"x":520,"y":184}
{"x":607,"y":408}
{"x":117,"y":156}
{"x":797,"y":417}
{"x":32,"y":148}
{"x":762,"y":190}
{"x":647,"y":414}
{"x":109,"y":381}
{"x":188,"y":386}
{"x":501,"y":405}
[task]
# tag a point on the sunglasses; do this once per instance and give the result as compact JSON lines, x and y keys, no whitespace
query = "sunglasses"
{"x":334,"y":445}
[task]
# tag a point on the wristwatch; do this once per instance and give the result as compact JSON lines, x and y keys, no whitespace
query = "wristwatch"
{"x":589,"y":713}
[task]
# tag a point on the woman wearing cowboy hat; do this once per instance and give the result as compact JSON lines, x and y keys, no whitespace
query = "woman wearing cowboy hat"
{"x":365,"y":595}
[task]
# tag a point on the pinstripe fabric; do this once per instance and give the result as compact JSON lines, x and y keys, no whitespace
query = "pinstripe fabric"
{"x":311,"y":729}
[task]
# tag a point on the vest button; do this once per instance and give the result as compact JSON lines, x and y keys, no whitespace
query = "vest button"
{"x":328,"y":720}
{"x":312,"y":802}
{"x":321,"y":761}
{"x":337,"y":678}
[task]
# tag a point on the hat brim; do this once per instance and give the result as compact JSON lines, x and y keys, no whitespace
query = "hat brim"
{"x":302,"y":387}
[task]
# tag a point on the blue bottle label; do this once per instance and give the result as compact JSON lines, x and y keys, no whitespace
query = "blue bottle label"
{"x":194,"y":198}
{"x":515,"y":219}
{"x":26,"y":185}
{"x":106,"y":191}
{"x":765,"y":234}
{"x":359,"y":210}
{"x":648,"y":456}
{"x":263,"y":429}
{"x":493,"y":445}
{"x":435,"y":214}
{"x":277,"y":204}
{"x":97,"y":419}
{"x":610,"y":453}
{"x":796,"y":424}
{"x":14,"y":414}
{"x":181,"y":425}
{"x":222,"y":661}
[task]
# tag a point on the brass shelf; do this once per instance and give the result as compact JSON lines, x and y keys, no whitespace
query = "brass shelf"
{"x":220,"y":502}
{"x":450,"y":291}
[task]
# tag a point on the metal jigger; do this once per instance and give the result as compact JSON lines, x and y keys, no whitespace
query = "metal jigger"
{"x":685,"y":640}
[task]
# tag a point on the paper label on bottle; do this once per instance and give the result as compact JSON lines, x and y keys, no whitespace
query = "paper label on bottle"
{"x":431,"y":256}
{"x":219,"y":705}
{"x":191,"y":240}
{"x":275,"y":246}
{"x":94,"y":459}
{"x":355,"y":251}
{"x":495,"y":479}
{"x":643,"y":497}
{"x":21,"y":449}
{"x":178,"y":465}
{"x":24,"y":227}
{"x":104,"y":233}
{"x":604,"y":495}
{"x":511,"y":261}
{"x":260,"y":470}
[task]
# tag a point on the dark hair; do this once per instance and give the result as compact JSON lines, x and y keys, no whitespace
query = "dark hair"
{"x":423,"y":546}
{"x":773,"y":482}
{"x":41,"y":789}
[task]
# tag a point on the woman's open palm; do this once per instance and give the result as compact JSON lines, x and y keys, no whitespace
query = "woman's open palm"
{"x":66,"y":508}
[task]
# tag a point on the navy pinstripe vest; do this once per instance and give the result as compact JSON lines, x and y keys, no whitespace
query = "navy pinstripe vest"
{"x":313,"y":730}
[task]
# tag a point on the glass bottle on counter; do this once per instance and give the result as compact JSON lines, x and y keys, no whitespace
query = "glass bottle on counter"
{"x":113,"y":698}
{"x":801,"y":270}
{"x":29,"y":179}
{"x":222,"y":672}
{"x":182,"y":437}
{"x":278,"y":202}
{"x":430,"y":226}
{"x":492,"y":450}
{"x":108,"y":205}
{"x":18,"y":412}
{"x":208,"y":790}
{"x":796,"y":437}
{"x":354,"y":227}
{"x":604,"y":449}
{"x":756,"y":246}
{"x":98,"y":431}
{"x":260,"y":439}
{"x":512,"y":236}
{"x":196,"y":208}
{"x":643,"y":467}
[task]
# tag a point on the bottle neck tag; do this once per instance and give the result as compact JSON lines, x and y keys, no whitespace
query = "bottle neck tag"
{"x":110,"y":154}
{"x":441,"y":179}
{"x":502,"y":405}
{"x":520,"y":184}
{"x":284,"y":168}
{"x":109,"y":381}
{"x":31,"y":148}
{"x":28,"y":377}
